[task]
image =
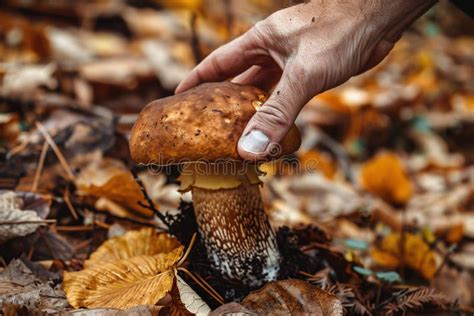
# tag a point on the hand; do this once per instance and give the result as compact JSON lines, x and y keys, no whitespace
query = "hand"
{"x":305,"y":50}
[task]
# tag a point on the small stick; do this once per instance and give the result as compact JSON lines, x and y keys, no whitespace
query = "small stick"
{"x":229,"y":14}
{"x":205,"y":286}
{"x":76,"y":228}
{"x":44,"y":221}
{"x":208,"y":285}
{"x":101,"y":224}
{"x":39,"y":168}
{"x":195,"y":39}
{"x":134,"y":221}
{"x":151,"y":205}
{"x":188,"y":251}
{"x":17,"y":149}
{"x":306,"y":274}
{"x":56,"y":150}
{"x":68,"y":202}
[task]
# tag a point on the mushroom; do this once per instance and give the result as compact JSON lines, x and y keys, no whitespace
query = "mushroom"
{"x":201,"y":128}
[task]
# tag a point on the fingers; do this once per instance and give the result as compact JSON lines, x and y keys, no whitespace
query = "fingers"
{"x":225,"y":62}
{"x":271,"y":122}
{"x":264,"y":77}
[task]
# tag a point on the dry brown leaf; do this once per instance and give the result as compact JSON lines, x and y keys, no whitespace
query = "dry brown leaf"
{"x":23,"y":289}
{"x":286,"y":297}
{"x":416,"y":254}
{"x":141,"y":280}
{"x":385,"y":177}
{"x":145,"y":241}
{"x":142,"y":310}
{"x":110,"y":179}
{"x":14,"y":221}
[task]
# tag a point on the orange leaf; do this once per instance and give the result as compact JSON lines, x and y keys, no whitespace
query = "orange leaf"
{"x":416,"y":254}
{"x":385,"y":177}
{"x":110,"y":179}
{"x":319,"y":161}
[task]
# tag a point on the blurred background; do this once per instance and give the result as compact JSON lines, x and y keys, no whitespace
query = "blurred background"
{"x":394,"y":146}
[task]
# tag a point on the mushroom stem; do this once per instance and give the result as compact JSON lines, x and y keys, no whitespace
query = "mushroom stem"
{"x":238,"y":237}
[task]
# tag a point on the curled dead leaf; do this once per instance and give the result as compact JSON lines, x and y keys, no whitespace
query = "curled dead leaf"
{"x":14,"y":221}
{"x":286,"y":297}
{"x":110,"y":179}
{"x":141,"y":280}
{"x":145,"y":241}
{"x":416,"y":254}
{"x":385,"y":177}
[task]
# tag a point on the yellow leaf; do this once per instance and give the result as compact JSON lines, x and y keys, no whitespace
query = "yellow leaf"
{"x":314,"y":160}
{"x":181,"y":4}
{"x":385,"y":177}
{"x":145,"y":241}
{"x":416,"y":254}
{"x":141,"y":280}
{"x":110,"y":179}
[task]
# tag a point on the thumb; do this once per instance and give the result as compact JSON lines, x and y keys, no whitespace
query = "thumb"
{"x":270,"y":124}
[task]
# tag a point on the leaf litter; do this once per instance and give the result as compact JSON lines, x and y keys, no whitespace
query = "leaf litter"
{"x":380,"y":223}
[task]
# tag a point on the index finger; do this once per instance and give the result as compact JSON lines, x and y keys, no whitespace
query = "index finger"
{"x":227,"y":61}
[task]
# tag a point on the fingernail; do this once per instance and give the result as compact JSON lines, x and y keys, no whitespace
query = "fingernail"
{"x":254,"y":142}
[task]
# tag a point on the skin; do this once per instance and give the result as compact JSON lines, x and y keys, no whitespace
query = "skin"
{"x":302,"y":51}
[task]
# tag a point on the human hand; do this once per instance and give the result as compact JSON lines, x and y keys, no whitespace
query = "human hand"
{"x":304,"y":49}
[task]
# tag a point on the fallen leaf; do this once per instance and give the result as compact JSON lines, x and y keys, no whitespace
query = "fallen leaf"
{"x":286,"y":297}
{"x":14,"y":221}
{"x":188,"y":300}
{"x":314,"y":160}
{"x":385,"y":177}
{"x":145,"y":241}
{"x":122,"y":284}
{"x":22,"y":289}
{"x":416,"y":254}
{"x":110,"y":179}
{"x":142,"y":310}
{"x":27,"y":79}
{"x":133,"y":269}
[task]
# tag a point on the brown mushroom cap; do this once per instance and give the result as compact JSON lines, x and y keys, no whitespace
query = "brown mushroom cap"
{"x":204,"y":123}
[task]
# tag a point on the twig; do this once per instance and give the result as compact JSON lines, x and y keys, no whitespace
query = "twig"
{"x":43,"y":221}
{"x":195,"y":46}
{"x":95,"y":210}
{"x":445,"y":259}
{"x":229,"y":13}
{"x":401,"y":245}
{"x":69,"y":204}
{"x":340,"y":154}
{"x":151,"y":206}
{"x":208,"y":286}
{"x":84,"y":228}
{"x":39,"y":168}
{"x":56,"y":150}
{"x":306,"y":274}
{"x":188,"y":251}
{"x":204,"y":285}
{"x":17,"y":149}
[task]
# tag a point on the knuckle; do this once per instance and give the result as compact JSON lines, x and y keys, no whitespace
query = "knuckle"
{"x":274,"y":115}
{"x":217,"y":68}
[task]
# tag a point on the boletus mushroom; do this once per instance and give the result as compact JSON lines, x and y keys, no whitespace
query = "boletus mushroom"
{"x":201,"y":128}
